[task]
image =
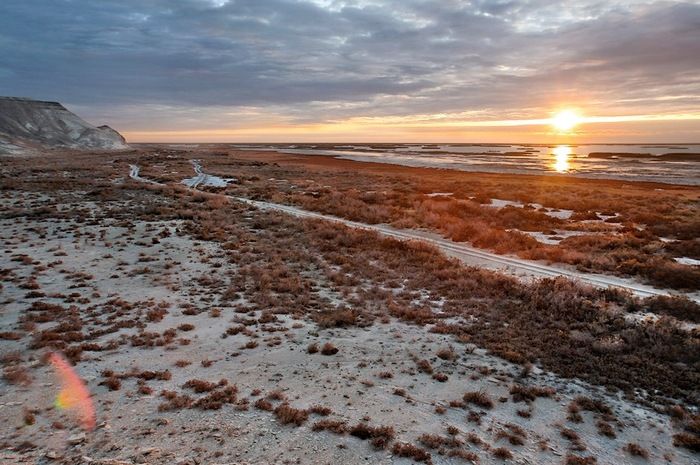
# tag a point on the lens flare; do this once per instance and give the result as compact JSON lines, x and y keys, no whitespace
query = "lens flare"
{"x":74,"y":395}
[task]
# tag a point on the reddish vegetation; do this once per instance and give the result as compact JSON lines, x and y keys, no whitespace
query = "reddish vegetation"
{"x":523,"y":393}
{"x":287,"y":414}
{"x":380,"y":436}
{"x":334,"y":426}
{"x":637,"y":450}
{"x":398,"y":198}
{"x":403,"y":449}
{"x":502,"y":453}
{"x":479,"y":398}
{"x":329,"y":349}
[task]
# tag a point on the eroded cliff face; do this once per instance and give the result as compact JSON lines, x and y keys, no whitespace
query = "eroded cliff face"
{"x":27,"y":125}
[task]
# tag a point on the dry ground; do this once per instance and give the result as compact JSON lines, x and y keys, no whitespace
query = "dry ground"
{"x":209,"y":332}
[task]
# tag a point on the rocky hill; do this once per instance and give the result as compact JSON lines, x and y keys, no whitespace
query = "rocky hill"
{"x":28,"y":125}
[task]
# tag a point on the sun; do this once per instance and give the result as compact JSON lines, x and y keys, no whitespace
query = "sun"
{"x":565,"y":120}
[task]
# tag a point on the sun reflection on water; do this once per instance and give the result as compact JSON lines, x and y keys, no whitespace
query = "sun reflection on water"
{"x":561,"y":158}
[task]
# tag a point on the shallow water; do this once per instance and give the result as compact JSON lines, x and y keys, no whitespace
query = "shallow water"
{"x":572,"y":160}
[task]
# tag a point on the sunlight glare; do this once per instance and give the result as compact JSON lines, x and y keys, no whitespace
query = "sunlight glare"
{"x":561,"y":158}
{"x":565,"y":120}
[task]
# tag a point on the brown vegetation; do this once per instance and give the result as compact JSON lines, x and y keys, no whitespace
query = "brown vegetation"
{"x":479,"y":398}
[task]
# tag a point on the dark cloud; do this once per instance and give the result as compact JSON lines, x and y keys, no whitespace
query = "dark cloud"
{"x":320,"y":60}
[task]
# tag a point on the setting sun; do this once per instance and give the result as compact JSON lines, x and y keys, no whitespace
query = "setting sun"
{"x":565,"y":120}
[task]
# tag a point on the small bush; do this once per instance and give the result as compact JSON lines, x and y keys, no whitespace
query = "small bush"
{"x":113,"y":383}
{"x":380,"y":436}
{"x":636,"y":450}
{"x":687,"y":440}
{"x":403,"y":449}
{"x":287,"y":414}
{"x":334,"y":426}
{"x":502,"y":453}
{"x":605,"y":429}
{"x":447,"y":354}
{"x":479,"y":398}
{"x":329,"y":349}
{"x":263,"y":404}
{"x":320,"y":410}
{"x":522,"y":393}
{"x":424,"y":366}
{"x":576,"y":460}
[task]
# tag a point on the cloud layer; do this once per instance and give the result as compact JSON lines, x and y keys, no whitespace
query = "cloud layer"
{"x":212,"y":64}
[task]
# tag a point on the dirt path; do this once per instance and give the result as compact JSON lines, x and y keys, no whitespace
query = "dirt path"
{"x":469,"y":255}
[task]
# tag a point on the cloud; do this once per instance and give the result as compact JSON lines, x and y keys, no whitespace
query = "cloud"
{"x":324,"y":60}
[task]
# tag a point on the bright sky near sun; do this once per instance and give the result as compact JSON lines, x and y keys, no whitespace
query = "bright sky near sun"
{"x":363,"y":70}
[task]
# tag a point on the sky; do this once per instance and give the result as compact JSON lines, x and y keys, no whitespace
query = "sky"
{"x":361,"y":70}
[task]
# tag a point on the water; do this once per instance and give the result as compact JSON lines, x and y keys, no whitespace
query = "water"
{"x":570,"y":160}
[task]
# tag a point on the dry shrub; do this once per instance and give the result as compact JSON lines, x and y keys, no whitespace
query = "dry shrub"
{"x":29,"y":417}
{"x":145,"y":390}
{"x":403,"y":449}
{"x":605,"y":429}
{"x":576,"y":460}
{"x":329,"y":349}
{"x":636,"y":450}
{"x":574,"y":412}
{"x":523,"y":393}
{"x":447,"y":354}
{"x":199,"y":386}
{"x":441,"y":377}
{"x":338,"y":318}
{"x":156,"y":314}
{"x":11,"y":336}
{"x":113,"y":383}
{"x":216,"y":399}
{"x":424,"y":366}
{"x":174,"y":401}
{"x":250,"y":344}
{"x":186,"y":327}
{"x":277,"y":394}
{"x":16,"y":375}
{"x":570,"y":434}
{"x":687,"y":440}
{"x":502,"y":453}
{"x":435,"y":441}
{"x":680,"y":307}
{"x":312,"y":348}
{"x":148,"y":375}
{"x":263,"y":404}
{"x":593,"y":405}
{"x":467,"y":456}
{"x":320,"y":410}
{"x":334,"y":426}
{"x":380,"y":436}
{"x":479,"y":398}
{"x":514,"y":433}
{"x":287,"y":414}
